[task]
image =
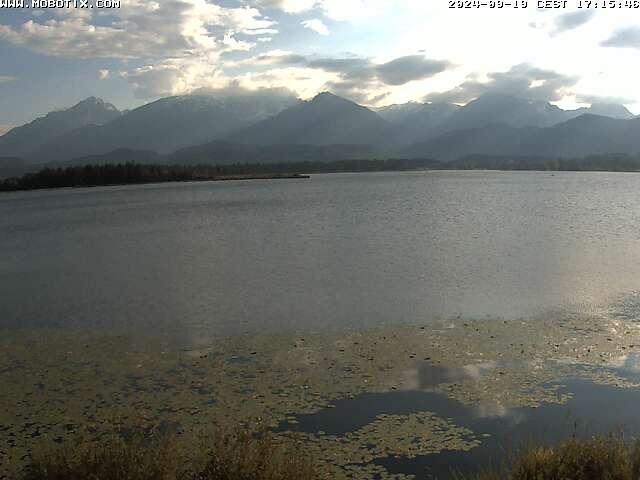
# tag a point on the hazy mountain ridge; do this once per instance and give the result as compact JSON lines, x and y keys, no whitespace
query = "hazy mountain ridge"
{"x":274,"y":127}
{"x":581,"y":136}
{"x":415,"y":122}
{"x":163,"y":126}
{"x":325,"y":120}
{"x":493,"y":109}
{"x":226,"y":153}
{"x":512,"y":111}
{"x":587,"y":135}
{"x":121,"y":155}
{"x":23,"y":140}
{"x":492,"y":139}
{"x":612,"y":110}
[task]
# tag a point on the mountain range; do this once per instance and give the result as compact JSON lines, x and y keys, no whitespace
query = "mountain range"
{"x":208,"y":128}
{"x":22,"y":141}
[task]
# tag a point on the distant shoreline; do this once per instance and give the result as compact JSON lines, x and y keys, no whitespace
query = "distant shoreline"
{"x":132,"y":173}
{"x":137,"y":173}
{"x":294,"y":176}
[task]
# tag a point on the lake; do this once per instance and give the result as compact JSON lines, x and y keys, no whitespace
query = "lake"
{"x":350,"y":249}
{"x":400,"y":323}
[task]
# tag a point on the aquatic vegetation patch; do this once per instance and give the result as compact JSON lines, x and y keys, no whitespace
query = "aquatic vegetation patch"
{"x":410,"y":435}
{"x":56,"y":384}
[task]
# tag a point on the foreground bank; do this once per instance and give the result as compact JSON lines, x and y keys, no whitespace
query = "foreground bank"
{"x":245,"y":456}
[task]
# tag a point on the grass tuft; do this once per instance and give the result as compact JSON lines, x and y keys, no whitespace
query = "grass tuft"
{"x":247,"y":456}
{"x":238,"y":456}
{"x":598,"y":458}
{"x":242,"y":456}
{"x":115,"y":458}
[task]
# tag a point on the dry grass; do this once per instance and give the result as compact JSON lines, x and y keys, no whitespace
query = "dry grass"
{"x":599,"y":458}
{"x":243,"y":457}
{"x":115,"y":458}
{"x":246,"y":456}
{"x":238,"y":456}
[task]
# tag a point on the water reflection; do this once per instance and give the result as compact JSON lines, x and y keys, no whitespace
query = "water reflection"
{"x":502,"y":430}
{"x":627,"y":366}
{"x":426,"y":375}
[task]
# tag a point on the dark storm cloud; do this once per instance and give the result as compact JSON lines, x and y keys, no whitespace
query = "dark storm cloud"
{"x":522,"y":80}
{"x":624,"y":38}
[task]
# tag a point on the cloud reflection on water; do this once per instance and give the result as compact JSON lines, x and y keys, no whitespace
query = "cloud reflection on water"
{"x":427,"y":377}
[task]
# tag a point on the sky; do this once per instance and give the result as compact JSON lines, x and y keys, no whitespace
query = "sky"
{"x":374,"y":52}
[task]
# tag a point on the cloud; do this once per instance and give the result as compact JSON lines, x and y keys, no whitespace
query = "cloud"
{"x":7,"y":79}
{"x":270,"y":101}
{"x":523,"y":80}
{"x":339,"y":10}
{"x":406,"y":69}
{"x":306,"y":82}
{"x":572,"y":20}
{"x":343,"y":10}
{"x":366,"y":94}
{"x":288,"y":6}
{"x":235,"y":89}
{"x":602,"y":99}
{"x":399,"y":71}
{"x":167,"y":29}
{"x":624,"y":38}
{"x":354,"y":68}
{"x":176,"y":45}
{"x":317,"y":26}
{"x":63,"y":12}
{"x":174,"y":77}
{"x":357,"y":78}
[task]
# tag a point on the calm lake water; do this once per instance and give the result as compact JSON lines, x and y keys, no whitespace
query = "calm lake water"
{"x":336,"y":250}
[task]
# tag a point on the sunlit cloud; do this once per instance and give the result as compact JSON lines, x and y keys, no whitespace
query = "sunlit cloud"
{"x":370,"y":51}
{"x":524,"y":80}
{"x":317,"y":26}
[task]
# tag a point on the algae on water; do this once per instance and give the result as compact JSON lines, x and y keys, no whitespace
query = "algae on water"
{"x":55,"y":384}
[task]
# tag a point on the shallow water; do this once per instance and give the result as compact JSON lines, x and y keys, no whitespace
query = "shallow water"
{"x":396,"y":299}
{"x":593,"y":409}
{"x":336,"y":250}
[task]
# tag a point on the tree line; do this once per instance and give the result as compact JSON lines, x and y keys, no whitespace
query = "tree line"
{"x":593,"y":163}
{"x":133,"y":173}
